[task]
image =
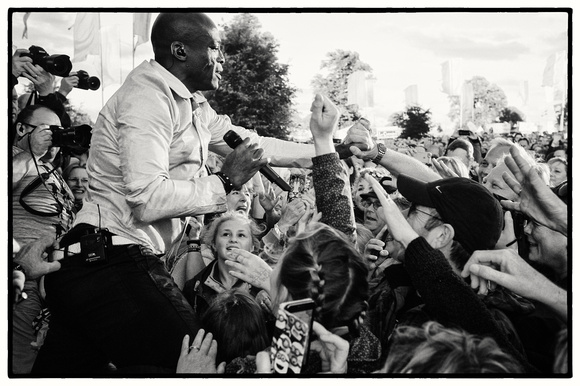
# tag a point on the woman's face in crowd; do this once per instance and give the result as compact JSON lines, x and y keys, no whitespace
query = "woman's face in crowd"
{"x":230,"y":234}
{"x":495,"y":184}
{"x":239,"y":200}
{"x":374,"y":219}
{"x":78,"y":182}
{"x":547,"y":246}
{"x":363,"y":187}
{"x":558,"y":173}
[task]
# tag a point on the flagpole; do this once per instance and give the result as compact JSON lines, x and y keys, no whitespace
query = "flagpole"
{"x":564,"y":90}
{"x":101,"y":59}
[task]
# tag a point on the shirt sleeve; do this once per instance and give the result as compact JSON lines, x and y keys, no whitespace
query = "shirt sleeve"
{"x":281,"y":153}
{"x":145,"y":138}
{"x":333,"y":195}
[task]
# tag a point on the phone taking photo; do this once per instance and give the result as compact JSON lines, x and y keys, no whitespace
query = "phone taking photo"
{"x":291,"y":340}
{"x":298,"y":184}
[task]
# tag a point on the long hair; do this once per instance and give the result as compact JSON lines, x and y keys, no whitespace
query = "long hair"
{"x":322,"y":264}
{"x":238,"y":325}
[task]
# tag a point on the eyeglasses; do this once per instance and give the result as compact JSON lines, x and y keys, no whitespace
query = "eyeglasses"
{"x":29,"y":125}
{"x":413,"y":208}
{"x":376,"y":203}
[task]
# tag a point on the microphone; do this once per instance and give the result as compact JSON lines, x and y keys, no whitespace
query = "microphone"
{"x":233,"y":140}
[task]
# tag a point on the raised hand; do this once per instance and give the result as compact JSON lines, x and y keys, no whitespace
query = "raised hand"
{"x":396,"y":222}
{"x":506,"y":268}
{"x":199,"y":358}
{"x":333,"y":350}
{"x":248,"y":267}
{"x":322,"y":124}
{"x":242,"y":163}
{"x":32,"y":257}
{"x":536,"y":199}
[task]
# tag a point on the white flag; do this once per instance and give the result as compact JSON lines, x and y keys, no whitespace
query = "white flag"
{"x":357,"y":89}
{"x":412,"y":95}
{"x":467,"y":100}
{"x":86,"y":36}
{"x":111,"y":60}
{"x":452,"y":74}
{"x":141,"y":23}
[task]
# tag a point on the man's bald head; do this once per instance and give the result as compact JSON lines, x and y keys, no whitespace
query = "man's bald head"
{"x":183,"y":27}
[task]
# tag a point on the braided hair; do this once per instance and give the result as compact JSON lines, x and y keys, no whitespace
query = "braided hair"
{"x":322,"y":264}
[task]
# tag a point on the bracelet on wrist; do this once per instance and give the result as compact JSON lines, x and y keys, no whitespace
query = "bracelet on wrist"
{"x":381,"y":150}
{"x":228,"y":187}
{"x":193,"y":246}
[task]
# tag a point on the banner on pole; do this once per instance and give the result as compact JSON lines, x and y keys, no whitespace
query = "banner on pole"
{"x":452,"y":74}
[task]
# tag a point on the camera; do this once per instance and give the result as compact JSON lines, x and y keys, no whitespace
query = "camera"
{"x":76,"y":139}
{"x":59,"y":65}
{"x":87,"y":82}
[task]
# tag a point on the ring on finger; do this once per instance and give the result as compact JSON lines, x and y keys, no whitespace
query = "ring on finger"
{"x":194,"y":347}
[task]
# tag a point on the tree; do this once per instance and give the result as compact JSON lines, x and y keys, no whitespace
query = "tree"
{"x":488,"y":101}
{"x":415,"y":122}
{"x":339,"y":65}
{"x":254,"y":89}
{"x":511,"y":115}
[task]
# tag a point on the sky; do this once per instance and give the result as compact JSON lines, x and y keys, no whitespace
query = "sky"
{"x":403,"y":49}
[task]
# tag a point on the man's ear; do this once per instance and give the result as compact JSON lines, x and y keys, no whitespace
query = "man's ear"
{"x":441,"y":236}
{"x":20,"y":130}
{"x":178,"y":51}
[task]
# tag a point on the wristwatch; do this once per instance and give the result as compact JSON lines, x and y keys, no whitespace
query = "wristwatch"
{"x":381,"y":149}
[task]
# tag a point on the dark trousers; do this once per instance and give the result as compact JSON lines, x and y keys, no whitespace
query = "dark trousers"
{"x":126,"y":310}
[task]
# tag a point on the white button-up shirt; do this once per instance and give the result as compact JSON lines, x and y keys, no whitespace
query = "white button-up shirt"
{"x":146,"y":163}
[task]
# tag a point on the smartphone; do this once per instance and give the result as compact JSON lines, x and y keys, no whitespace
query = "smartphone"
{"x":298,"y":184}
{"x":291,"y":339}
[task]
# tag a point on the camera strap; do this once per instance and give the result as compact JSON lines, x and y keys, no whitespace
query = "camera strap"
{"x":33,"y":185}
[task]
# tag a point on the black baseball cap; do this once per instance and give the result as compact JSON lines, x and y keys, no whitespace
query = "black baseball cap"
{"x":473,"y":212}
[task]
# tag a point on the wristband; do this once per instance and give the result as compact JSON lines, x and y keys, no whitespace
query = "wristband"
{"x":382,"y":149}
{"x":193,"y":246}
{"x":228,"y":187}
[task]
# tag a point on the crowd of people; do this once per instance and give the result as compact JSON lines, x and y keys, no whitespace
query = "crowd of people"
{"x":160,"y":249}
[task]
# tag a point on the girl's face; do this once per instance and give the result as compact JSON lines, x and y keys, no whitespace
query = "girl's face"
{"x":230,"y":234}
{"x":558,"y":173}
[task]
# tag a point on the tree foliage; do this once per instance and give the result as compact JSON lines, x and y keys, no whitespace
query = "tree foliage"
{"x":511,"y":115}
{"x":415,"y":122}
{"x":254,"y":90}
{"x":339,"y":65}
{"x":488,"y":102}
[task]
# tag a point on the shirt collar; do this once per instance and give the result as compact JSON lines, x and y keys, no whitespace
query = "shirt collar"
{"x":174,"y":84}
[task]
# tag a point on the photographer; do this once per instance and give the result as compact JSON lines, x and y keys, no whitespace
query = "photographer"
{"x":42,"y":208}
{"x":43,"y":82}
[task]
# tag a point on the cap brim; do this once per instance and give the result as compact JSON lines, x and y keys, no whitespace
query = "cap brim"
{"x":414,"y":190}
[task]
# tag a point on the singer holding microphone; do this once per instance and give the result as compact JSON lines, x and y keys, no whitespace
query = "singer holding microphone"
{"x":112,"y":300}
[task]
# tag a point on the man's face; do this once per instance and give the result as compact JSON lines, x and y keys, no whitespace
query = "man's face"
{"x":374,"y":218}
{"x":204,"y":61}
{"x":42,"y":118}
{"x":490,"y":161}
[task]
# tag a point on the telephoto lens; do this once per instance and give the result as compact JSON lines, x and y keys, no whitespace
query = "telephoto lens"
{"x":59,"y":65}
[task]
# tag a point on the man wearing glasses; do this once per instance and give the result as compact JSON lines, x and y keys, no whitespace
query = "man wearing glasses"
{"x":42,"y":209}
